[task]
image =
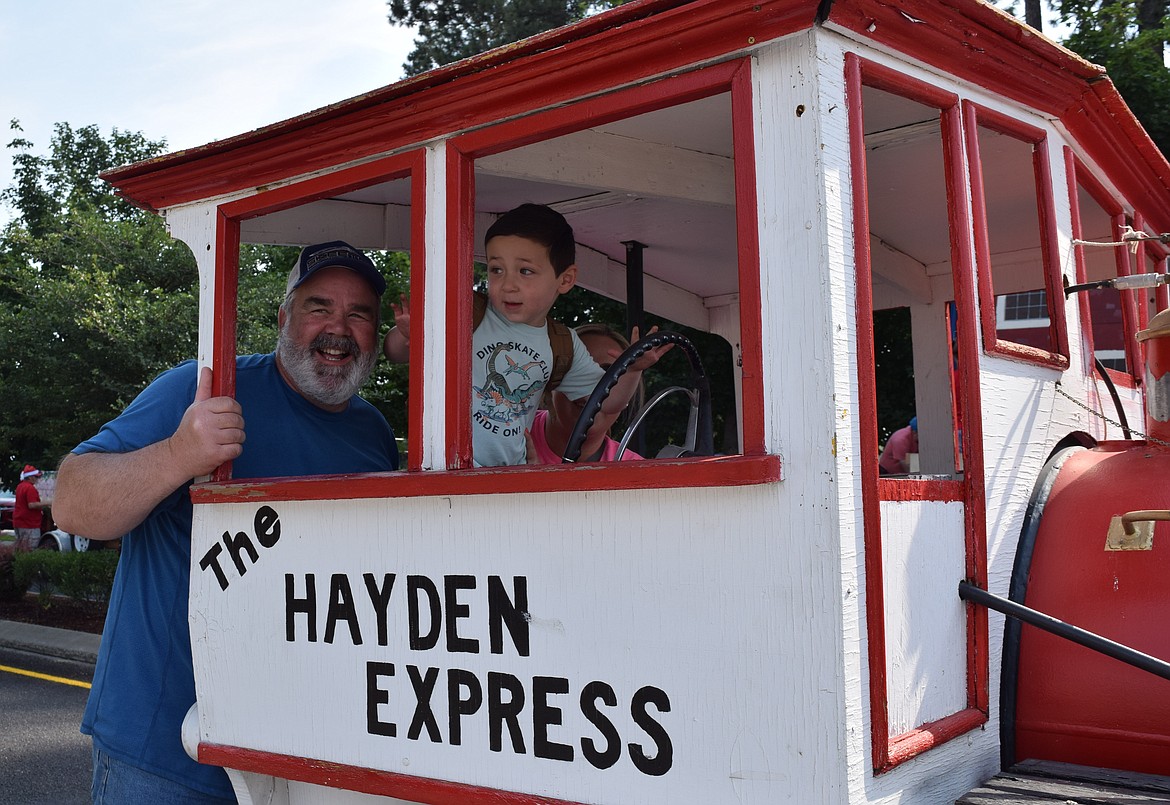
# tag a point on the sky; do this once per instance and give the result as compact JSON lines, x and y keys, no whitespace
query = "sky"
{"x":191,"y":72}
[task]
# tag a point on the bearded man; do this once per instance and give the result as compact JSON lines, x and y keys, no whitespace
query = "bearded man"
{"x":298,"y":411}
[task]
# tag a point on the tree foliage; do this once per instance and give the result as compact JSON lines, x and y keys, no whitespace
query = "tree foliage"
{"x":450,"y":30}
{"x":95,"y":298}
{"x":1128,"y":38}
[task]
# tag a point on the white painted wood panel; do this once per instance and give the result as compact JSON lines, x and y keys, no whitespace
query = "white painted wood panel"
{"x":926,"y":647}
{"x":616,"y":594}
{"x":803,"y":229}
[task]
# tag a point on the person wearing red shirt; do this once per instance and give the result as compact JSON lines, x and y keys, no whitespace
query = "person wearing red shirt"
{"x":26,"y":517}
{"x":895,"y":457}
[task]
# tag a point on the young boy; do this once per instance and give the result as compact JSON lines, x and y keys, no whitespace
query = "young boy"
{"x":531,"y":258}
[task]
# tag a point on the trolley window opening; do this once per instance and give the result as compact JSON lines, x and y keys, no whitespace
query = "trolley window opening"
{"x":1015,"y":239}
{"x":913,"y":289}
{"x":917,"y":352}
{"x":1110,"y":319}
{"x":653,"y":165}
{"x":649,"y":181}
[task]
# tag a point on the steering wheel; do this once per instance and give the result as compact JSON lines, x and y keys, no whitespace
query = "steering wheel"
{"x":700,"y":441}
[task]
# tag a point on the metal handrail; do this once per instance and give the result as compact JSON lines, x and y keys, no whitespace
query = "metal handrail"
{"x":1110,"y":648}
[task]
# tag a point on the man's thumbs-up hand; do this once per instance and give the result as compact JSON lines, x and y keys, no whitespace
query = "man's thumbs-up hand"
{"x":210,"y":433}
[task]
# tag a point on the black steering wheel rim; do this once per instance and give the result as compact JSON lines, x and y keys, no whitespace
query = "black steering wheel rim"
{"x":705,"y":439}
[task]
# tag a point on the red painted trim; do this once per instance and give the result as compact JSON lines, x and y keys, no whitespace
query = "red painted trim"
{"x":963,"y":256}
{"x":1129,"y":310}
{"x":879,"y":76}
{"x":675,"y":90}
{"x":542,"y":72}
{"x":733,"y":77}
{"x":977,"y":116}
{"x":972,"y":40}
{"x":909,"y":489}
{"x":888,"y":751}
{"x":417,"y":394}
{"x":460,"y":256}
{"x":367,"y":781}
{"x":1101,"y":124}
{"x":875,"y":620}
{"x":1050,"y":248}
{"x":1121,"y":379}
{"x":976,"y":42}
{"x":1153,"y":255}
{"x":652,"y":474}
{"x":412,"y":165}
{"x":1079,"y":176}
{"x":223,"y":328}
{"x":914,"y":742}
{"x":1096,"y":189}
{"x":1139,"y":266}
{"x":748,"y":247}
{"x":1150,"y":254}
{"x":1072,"y":171}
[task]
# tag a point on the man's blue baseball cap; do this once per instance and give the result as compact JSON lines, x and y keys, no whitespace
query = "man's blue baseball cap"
{"x":914,"y":424}
{"x":334,"y":253}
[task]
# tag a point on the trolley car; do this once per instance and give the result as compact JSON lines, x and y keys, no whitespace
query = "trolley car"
{"x":772,"y":621}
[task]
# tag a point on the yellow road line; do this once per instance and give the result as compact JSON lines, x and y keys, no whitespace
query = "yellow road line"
{"x":58,"y":679}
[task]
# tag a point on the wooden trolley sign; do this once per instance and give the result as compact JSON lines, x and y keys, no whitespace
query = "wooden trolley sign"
{"x":774,"y":623}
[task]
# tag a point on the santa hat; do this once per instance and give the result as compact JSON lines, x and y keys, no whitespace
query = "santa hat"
{"x":29,"y":472}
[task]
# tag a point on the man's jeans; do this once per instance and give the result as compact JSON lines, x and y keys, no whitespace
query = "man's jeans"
{"x":118,"y":783}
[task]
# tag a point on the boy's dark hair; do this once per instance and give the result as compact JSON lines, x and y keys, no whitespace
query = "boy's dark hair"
{"x":542,"y":225}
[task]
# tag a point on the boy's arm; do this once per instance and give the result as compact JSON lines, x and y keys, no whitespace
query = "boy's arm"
{"x":396,"y":344}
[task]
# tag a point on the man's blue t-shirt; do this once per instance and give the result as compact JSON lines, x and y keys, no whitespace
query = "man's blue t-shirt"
{"x":144,"y":684}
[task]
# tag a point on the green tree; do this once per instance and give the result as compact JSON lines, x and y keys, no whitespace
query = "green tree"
{"x":450,"y":30}
{"x":95,"y":298}
{"x":1128,"y":38}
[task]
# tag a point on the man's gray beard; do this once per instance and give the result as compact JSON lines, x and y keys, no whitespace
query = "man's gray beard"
{"x":321,"y":384}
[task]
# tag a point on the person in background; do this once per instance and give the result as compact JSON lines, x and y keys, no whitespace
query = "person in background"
{"x":27,"y":515}
{"x":299,"y":410}
{"x":553,"y":425}
{"x":894,"y":459}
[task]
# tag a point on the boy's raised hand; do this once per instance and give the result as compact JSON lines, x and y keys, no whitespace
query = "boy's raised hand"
{"x":401,"y":311}
{"x":396,"y":344}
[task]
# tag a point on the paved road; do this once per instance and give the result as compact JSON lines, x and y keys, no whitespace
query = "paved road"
{"x":44,"y":760}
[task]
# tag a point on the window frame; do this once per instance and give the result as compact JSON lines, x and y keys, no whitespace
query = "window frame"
{"x":889,"y":751}
{"x":753,"y":466}
{"x":732,"y":77}
{"x":1080,"y":176}
{"x":229,"y":215}
{"x":976,"y":116}
{"x":1150,"y":249}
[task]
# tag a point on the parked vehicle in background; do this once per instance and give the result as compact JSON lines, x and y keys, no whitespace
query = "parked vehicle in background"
{"x":58,"y":540}
{"x":7,"y":506}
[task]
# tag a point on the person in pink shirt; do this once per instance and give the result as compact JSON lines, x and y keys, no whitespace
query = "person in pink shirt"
{"x":895,"y":459}
{"x":553,"y":425}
